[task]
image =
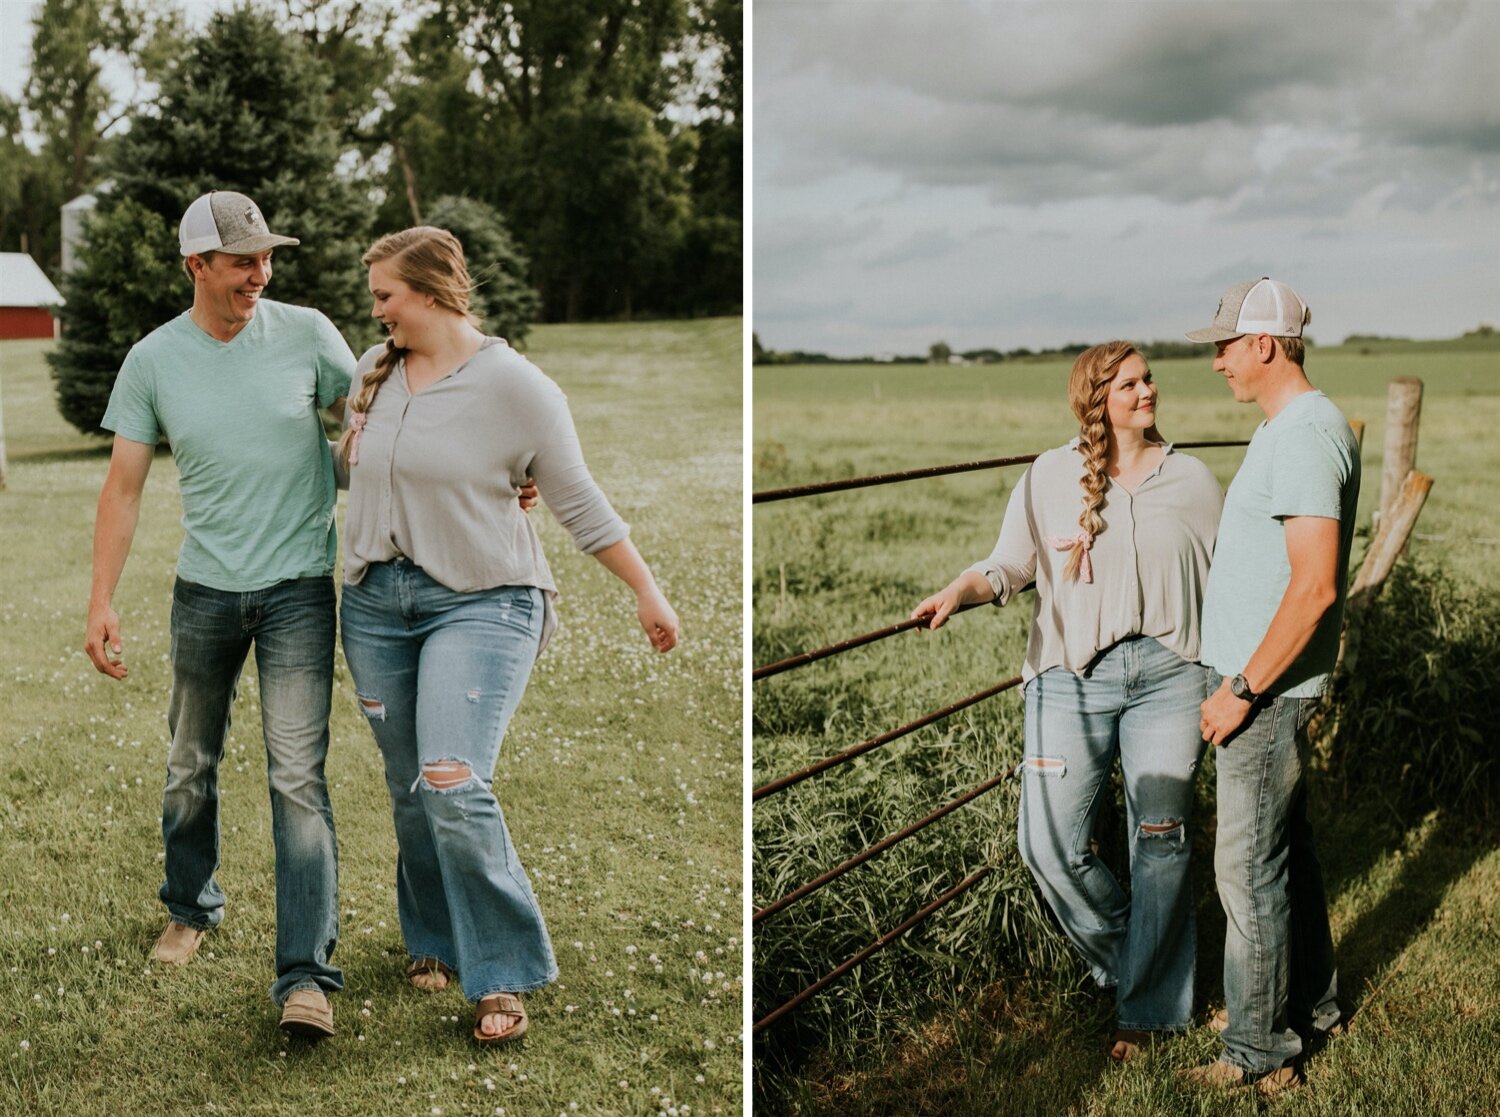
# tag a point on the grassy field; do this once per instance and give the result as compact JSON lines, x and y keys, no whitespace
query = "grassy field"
{"x":982,"y":1009}
{"x":620,"y":777}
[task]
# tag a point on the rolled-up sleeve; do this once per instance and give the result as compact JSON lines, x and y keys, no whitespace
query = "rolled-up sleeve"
{"x":1012,"y":563}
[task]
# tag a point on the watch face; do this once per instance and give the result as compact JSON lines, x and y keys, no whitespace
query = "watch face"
{"x":1239,"y":687}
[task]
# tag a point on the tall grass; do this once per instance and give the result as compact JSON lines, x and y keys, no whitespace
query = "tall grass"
{"x":1414,"y":724}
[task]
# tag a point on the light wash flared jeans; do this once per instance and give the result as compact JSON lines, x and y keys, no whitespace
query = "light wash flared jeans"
{"x":439,"y":675}
{"x":1139,"y":701}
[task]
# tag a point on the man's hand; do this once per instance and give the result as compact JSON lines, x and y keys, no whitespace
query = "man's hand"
{"x":527,"y":489}
{"x":103,"y":642}
{"x":1222,"y":715}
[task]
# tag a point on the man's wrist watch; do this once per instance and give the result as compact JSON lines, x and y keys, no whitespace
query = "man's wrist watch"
{"x":1241,"y":689}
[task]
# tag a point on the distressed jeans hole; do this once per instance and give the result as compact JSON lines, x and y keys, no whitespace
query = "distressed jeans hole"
{"x":446,"y":775}
{"x":1163,"y":828}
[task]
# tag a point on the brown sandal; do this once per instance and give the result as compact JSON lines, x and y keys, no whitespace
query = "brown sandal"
{"x":429,"y":968}
{"x":507,"y":1003}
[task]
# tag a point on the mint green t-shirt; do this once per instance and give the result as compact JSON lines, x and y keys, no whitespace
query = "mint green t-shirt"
{"x":242,"y":420}
{"x":1304,"y":462}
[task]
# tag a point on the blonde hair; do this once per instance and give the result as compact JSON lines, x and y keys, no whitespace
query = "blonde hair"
{"x":430,"y":261}
{"x":1088,"y":392}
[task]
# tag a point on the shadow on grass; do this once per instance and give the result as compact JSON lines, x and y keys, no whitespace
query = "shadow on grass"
{"x":1016,"y":1049}
{"x":1433,"y":856}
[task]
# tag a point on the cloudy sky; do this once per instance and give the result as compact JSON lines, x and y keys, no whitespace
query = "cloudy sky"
{"x":1031,"y":173}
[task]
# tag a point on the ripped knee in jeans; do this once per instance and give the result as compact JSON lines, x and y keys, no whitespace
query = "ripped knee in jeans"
{"x":373,"y":708}
{"x":444,"y":775}
{"x":1169,"y":830}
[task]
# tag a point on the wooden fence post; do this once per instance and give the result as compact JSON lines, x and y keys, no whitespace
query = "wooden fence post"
{"x":1403,"y":410}
{"x":1390,"y":539}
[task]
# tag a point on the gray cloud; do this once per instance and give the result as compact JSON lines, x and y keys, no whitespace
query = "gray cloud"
{"x":1346,"y":146}
{"x":1040,"y":101}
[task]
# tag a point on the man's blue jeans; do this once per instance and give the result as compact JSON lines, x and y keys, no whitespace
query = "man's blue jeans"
{"x":439,"y":674}
{"x":1139,"y":701}
{"x":291,"y":626}
{"x":1279,"y":974}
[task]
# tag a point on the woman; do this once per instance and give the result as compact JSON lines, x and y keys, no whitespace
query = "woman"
{"x":1110,"y":670}
{"x":448,"y":601}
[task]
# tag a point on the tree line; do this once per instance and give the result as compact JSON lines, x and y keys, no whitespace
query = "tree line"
{"x":941,"y":353}
{"x":587,"y":152}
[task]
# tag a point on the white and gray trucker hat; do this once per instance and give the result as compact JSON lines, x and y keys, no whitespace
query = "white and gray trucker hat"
{"x":224,"y":221}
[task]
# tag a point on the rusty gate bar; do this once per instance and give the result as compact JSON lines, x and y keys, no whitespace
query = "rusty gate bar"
{"x":802,"y":659}
{"x":767,"y":495}
{"x":879,"y":847}
{"x":875,"y":742}
{"x":880,"y":943}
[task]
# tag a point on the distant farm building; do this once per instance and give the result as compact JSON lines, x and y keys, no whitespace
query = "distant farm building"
{"x":27,"y":298}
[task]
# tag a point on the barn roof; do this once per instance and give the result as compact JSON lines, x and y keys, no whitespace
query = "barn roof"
{"x":23,"y":283}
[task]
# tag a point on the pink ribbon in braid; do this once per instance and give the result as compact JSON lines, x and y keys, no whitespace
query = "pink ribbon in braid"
{"x":357,"y":424}
{"x":1083,"y":539}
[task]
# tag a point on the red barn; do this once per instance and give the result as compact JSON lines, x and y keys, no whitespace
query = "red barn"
{"x":26,"y":298}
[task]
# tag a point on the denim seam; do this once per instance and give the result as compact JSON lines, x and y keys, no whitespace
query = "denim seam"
{"x":523,"y":987}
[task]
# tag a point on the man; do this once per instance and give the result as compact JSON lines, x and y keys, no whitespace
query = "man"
{"x":234,"y":384}
{"x":1272,"y":614}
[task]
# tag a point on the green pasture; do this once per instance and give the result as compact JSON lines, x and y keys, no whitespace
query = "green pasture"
{"x":620,"y":778}
{"x":816,"y":423}
{"x":983,"y":1009}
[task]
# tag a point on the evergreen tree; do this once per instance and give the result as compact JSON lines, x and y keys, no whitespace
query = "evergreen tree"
{"x":502,"y":297}
{"x":122,"y":280}
{"x":247,"y":109}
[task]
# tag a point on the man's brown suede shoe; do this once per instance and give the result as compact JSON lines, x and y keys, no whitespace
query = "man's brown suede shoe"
{"x":177,"y":944}
{"x":1226,"y":1076}
{"x":307,"y":1012}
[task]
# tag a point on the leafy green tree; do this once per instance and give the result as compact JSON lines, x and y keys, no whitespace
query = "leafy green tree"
{"x":245,"y":109}
{"x":356,"y":42}
{"x":30,"y":189}
{"x":614,"y":208}
{"x":502,"y":297}
{"x":72,"y":110}
{"x":614,"y":156}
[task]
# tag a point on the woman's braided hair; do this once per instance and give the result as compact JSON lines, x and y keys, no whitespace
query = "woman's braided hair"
{"x":1088,"y":390}
{"x":430,"y":261}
